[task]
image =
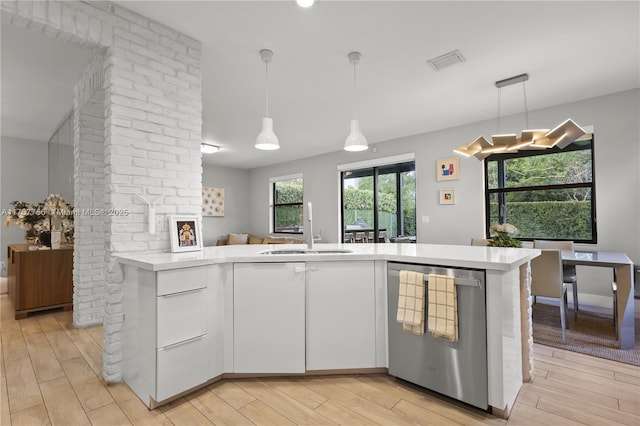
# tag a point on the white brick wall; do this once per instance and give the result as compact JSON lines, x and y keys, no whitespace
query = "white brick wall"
{"x":150,"y":146}
{"x":89,"y":184}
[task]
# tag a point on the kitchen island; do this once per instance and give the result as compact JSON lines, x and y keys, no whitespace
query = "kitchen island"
{"x":193,"y":318}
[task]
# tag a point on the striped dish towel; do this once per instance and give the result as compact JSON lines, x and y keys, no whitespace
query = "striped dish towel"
{"x":411,"y":302}
{"x":443,"y":307}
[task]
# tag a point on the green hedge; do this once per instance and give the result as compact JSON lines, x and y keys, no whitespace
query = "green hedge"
{"x":358,"y":203}
{"x":548,"y":219}
{"x":362,"y":199}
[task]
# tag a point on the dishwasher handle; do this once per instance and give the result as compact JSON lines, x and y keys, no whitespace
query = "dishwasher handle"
{"x":461,"y":281}
{"x":467,"y":282}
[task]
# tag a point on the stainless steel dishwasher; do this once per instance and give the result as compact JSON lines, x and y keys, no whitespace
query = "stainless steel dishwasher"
{"x":455,"y":369}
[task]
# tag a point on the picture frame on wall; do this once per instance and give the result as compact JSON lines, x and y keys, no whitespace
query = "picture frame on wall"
{"x":448,"y":168}
{"x":212,"y":201}
{"x":185,"y":232}
{"x":447,"y":196}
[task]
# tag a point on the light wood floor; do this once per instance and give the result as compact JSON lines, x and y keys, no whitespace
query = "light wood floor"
{"x":50,"y":374}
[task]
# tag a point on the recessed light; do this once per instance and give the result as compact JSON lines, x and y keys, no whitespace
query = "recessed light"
{"x":305,"y":3}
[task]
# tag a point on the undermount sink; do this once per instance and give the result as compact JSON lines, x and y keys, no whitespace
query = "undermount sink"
{"x":306,"y":251}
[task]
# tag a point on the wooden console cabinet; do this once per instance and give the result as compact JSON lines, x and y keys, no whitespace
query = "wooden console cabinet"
{"x":39,"y":279}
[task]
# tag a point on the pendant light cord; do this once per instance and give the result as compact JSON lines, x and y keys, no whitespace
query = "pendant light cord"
{"x":354,"y":91}
{"x":498,"y":112}
{"x":526,"y":108}
{"x":266,"y":64}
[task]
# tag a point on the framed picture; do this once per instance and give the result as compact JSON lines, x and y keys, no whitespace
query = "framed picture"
{"x":185,"y":233}
{"x":448,"y":168}
{"x":212,"y":201}
{"x":447,"y":196}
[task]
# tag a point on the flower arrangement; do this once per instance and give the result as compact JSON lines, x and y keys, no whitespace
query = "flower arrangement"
{"x":500,"y":236}
{"x":37,"y":219}
{"x":27,"y":216}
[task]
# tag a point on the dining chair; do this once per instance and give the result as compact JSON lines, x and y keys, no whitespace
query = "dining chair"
{"x":546,"y":281}
{"x":614,"y":290}
{"x":479,"y":242}
{"x":348,"y":237}
{"x":371,"y":237}
{"x":568,"y":271}
{"x":383,"y":237}
{"x":360,"y":237}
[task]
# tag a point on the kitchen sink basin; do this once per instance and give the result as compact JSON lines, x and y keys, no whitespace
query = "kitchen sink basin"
{"x":332,"y":251}
{"x":307,"y":251}
{"x":285,"y":252}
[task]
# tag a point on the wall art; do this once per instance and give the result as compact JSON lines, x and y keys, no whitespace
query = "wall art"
{"x":447,"y":196}
{"x":212,"y":201}
{"x":448,"y":168}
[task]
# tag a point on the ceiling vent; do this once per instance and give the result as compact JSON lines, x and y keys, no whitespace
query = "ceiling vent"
{"x":446,"y":60}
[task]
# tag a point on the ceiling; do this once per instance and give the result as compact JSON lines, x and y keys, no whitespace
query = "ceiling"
{"x":571,"y":50}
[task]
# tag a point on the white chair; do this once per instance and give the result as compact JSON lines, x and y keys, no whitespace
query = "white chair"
{"x":479,"y":242}
{"x":546,"y":281}
{"x":568,"y":271}
{"x":360,"y":237}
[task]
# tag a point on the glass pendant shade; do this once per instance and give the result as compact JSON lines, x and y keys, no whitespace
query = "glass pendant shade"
{"x":356,"y":140}
{"x":267,"y":140}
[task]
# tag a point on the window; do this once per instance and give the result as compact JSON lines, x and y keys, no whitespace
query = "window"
{"x":379,"y":203}
{"x":287,"y":205}
{"x":546,"y":194}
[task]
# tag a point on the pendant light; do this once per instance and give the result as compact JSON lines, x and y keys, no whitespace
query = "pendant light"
{"x":356,"y":140}
{"x":562,"y":136}
{"x":267,"y":140}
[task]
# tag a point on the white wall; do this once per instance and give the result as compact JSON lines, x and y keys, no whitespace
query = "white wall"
{"x":236,"y":204}
{"x":617,"y":165}
{"x":24,"y":171}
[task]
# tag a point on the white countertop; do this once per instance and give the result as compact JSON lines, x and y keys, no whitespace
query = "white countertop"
{"x":490,"y":258}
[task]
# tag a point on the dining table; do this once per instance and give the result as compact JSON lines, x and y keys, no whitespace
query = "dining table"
{"x":622,"y":268}
{"x":354,"y":229}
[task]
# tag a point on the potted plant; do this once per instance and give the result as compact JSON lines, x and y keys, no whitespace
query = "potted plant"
{"x":501,"y":236}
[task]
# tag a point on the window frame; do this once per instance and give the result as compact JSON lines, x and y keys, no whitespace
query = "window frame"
{"x":374,"y":171}
{"x":500,"y":158}
{"x":273,"y":205}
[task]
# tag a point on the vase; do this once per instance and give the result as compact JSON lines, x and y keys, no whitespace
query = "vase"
{"x":45,"y":238}
{"x":31,"y":239}
{"x":55,"y":238}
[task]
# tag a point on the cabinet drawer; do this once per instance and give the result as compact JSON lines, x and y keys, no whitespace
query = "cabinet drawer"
{"x":181,"y":316}
{"x":177,"y":280}
{"x":181,"y":367}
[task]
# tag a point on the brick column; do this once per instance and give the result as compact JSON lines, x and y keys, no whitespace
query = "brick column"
{"x":150,"y":146}
{"x":89,"y":180}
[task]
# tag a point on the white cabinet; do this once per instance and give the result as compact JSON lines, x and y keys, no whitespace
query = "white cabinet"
{"x":169,"y":320}
{"x":269,"y":321}
{"x":340,"y":315}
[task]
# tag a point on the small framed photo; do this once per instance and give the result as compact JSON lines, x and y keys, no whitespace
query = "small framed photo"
{"x":185,"y":233}
{"x":447,"y":196}
{"x":448,"y":168}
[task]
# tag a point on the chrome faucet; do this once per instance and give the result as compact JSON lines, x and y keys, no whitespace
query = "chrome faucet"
{"x":310,"y":237}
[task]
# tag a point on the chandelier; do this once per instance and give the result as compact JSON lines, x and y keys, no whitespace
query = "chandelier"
{"x":561,"y":136}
